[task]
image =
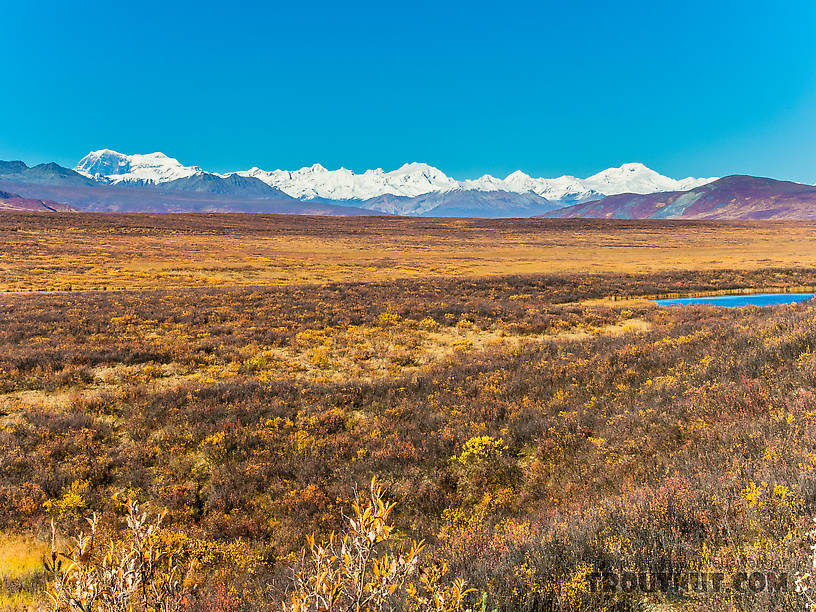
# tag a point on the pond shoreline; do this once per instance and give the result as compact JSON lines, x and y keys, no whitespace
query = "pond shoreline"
{"x":739,"y":300}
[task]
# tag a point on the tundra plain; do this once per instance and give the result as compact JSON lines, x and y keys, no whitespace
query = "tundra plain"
{"x":534,"y":415}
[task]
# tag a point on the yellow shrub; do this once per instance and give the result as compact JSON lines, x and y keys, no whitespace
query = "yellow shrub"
{"x":72,"y":501}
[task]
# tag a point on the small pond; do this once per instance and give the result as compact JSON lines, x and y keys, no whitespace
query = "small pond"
{"x":735,"y":301}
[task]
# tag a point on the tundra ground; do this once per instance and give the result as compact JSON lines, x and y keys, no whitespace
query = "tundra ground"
{"x":536,"y":417}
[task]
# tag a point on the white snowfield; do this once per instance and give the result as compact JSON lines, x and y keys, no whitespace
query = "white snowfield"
{"x":317,"y":182}
{"x":410,"y":180}
{"x":112,"y":167}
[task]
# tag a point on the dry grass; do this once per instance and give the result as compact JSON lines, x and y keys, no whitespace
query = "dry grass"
{"x":365,"y":353}
{"x":631,"y":432}
{"x":20,"y":565}
{"x":19,"y":554}
{"x":90,"y":251}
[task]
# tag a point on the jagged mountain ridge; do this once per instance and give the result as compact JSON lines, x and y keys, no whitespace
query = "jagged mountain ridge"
{"x":194,"y":193}
{"x":50,"y":187}
{"x":376,"y":189}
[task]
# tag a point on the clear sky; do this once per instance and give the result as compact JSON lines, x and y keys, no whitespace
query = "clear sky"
{"x":569,"y":87}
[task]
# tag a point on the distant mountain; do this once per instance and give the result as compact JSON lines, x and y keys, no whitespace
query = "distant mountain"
{"x":107,"y":166}
{"x":135,"y":198}
{"x":629,"y":178}
{"x":232,"y":185}
{"x":409,"y":180}
{"x":107,"y":180}
{"x":565,"y":189}
{"x":414,"y":180}
{"x":43,"y":174}
{"x":391,"y":191}
{"x":12,"y":202}
{"x":637,"y":178}
{"x":188,"y":192}
{"x":464,"y":203}
{"x":731,"y":197}
{"x":166,"y":174}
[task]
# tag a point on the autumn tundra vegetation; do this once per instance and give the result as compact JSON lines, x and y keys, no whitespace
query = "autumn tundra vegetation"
{"x":456,"y":438}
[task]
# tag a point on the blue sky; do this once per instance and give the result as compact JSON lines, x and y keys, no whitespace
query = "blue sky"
{"x":688,"y":88}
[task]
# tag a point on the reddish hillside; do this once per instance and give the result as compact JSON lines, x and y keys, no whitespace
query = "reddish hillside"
{"x":14,"y":202}
{"x":731,"y":197}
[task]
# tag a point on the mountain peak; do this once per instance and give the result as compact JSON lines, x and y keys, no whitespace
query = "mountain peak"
{"x":731,"y":197}
{"x":634,"y":177}
{"x":114,"y":167}
{"x":410,"y":180}
{"x":517,"y":175}
{"x":417,"y":166}
{"x":634,"y":167}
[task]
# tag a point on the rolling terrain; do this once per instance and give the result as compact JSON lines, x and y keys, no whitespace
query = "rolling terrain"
{"x":735,"y":197}
{"x":186,"y":198}
{"x":534,"y":415}
{"x":14,"y":202}
{"x":202,"y":193}
{"x":141,"y":251}
{"x":108,"y":181}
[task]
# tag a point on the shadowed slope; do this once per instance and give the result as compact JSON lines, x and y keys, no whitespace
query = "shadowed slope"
{"x":732,"y":197}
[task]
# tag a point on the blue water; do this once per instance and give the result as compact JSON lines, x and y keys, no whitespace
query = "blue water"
{"x":735,"y":301}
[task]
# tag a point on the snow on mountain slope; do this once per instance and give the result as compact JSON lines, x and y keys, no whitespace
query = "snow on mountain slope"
{"x":629,"y":178}
{"x":317,"y":182}
{"x":637,"y":178}
{"x":732,"y":197}
{"x":564,"y":188}
{"x":113,"y":167}
{"x":409,"y":181}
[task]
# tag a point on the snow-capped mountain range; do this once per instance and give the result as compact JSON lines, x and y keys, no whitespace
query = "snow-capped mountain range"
{"x":315,"y":181}
{"x":113,"y":167}
{"x":378,"y":189}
